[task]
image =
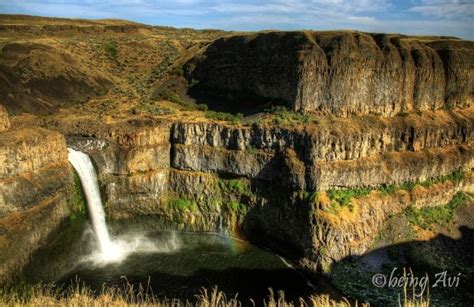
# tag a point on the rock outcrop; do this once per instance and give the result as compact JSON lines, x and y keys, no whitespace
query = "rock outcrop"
{"x":344,"y":73}
{"x":265,"y":182}
{"x":4,"y":120}
{"x":35,"y":184}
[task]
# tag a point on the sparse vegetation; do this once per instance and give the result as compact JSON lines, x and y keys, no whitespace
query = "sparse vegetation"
{"x":111,"y":49}
{"x":280,"y":115}
{"x":182,"y":204}
{"x":152,"y":108}
{"x":77,"y":203}
{"x":343,"y":197}
{"x":233,"y":118}
{"x":443,"y":215}
{"x":251,"y":149}
{"x":142,"y":295}
{"x":234,"y":186}
{"x":235,"y":206}
{"x":388,"y":189}
{"x":173,"y":97}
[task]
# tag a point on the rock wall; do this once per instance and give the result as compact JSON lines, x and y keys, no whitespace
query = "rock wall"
{"x":344,"y":73}
{"x":35,"y":184}
{"x":261,"y":182}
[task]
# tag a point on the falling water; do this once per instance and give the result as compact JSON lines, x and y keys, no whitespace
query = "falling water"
{"x":119,"y":248}
{"x":83,"y":165}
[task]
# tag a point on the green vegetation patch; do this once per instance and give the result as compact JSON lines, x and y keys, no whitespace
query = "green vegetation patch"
{"x":235,"y":206}
{"x":343,"y":197}
{"x":77,"y":203}
{"x":236,"y":186}
{"x":182,"y":204}
{"x":443,"y":215}
{"x":280,"y":115}
{"x":111,"y":49}
{"x":229,"y":117}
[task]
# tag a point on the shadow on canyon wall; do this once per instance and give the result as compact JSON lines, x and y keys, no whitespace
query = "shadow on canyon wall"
{"x":445,"y":263}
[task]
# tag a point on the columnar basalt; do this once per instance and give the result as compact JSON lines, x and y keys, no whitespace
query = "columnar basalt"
{"x":344,"y":73}
{"x":262,"y":181}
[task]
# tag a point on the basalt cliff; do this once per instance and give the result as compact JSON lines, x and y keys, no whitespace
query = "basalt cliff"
{"x":375,"y":127}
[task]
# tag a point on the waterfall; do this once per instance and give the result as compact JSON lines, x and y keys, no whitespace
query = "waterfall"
{"x":119,"y":248}
{"x":83,"y":165}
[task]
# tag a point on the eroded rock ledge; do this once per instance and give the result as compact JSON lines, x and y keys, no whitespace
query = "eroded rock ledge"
{"x":35,"y":184}
{"x":262,"y":181}
{"x":344,"y":73}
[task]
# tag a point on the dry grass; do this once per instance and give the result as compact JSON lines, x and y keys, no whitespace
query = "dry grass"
{"x":80,"y":295}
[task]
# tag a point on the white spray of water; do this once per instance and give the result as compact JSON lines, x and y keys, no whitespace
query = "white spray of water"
{"x":110,"y":250}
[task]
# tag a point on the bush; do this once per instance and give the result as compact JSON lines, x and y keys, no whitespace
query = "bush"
{"x":111,"y":49}
{"x":202,"y":107}
{"x":173,"y":97}
{"x":281,"y":115}
{"x":387,"y":189}
{"x":409,"y":185}
{"x":234,"y":118}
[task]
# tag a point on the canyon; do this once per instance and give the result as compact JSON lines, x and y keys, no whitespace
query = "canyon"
{"x":389,"y":127}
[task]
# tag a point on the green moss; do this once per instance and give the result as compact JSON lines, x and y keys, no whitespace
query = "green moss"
{"x":443,"y":215}
{"x":235,"y":206}
{"x":77,"y":203}
{"x":182,"y":204}
{"x":236,"y":186}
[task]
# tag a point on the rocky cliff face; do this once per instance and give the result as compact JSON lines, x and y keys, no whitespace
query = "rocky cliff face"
{"x":272,"y":183}
{"x":392,"y":127}
{"x":35,"y":184}
{"x":344,"y":73}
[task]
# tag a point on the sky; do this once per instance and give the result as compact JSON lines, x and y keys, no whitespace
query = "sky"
{"x":438,"y":17}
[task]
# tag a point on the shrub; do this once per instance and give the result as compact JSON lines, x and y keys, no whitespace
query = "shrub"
{"x":111,"y":49}
{"x":387,"y":189}
{"x":234,"y":118}
{"x":408,"y":185}
{"x":173,"y":97}
{"x":202,"y":107}
{"x":281,"y":115}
